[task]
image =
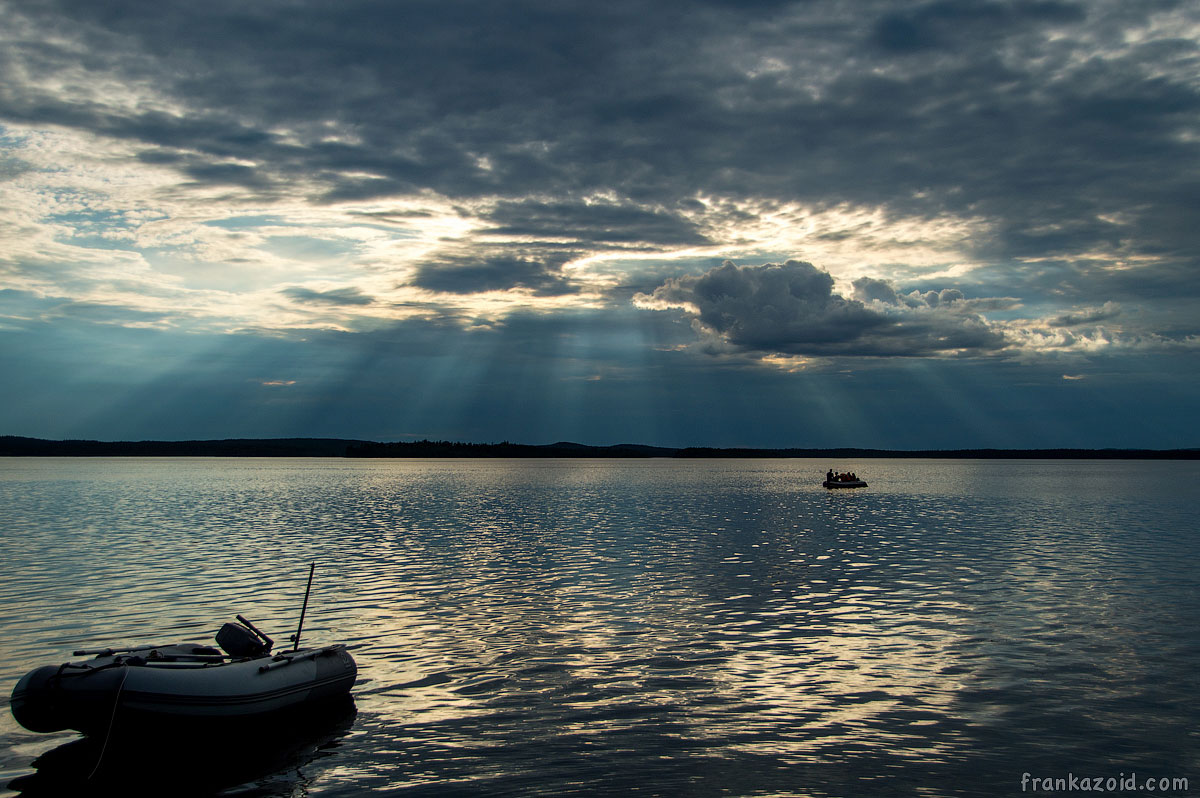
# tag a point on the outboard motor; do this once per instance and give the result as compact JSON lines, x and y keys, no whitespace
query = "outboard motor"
{"x":243,"y":640}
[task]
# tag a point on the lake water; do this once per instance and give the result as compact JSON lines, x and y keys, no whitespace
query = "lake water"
{"x":654,"y":627}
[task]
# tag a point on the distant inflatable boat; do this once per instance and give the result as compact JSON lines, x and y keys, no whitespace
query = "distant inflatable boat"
{"x":852,"y":483}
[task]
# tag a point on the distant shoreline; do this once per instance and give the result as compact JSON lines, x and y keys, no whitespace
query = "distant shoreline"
{"x":11,"y":446}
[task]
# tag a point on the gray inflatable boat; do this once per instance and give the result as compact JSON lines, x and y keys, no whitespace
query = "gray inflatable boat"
{"x":182,"y":682}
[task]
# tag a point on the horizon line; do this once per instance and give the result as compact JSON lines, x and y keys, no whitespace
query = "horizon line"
{"x":16,"y":446}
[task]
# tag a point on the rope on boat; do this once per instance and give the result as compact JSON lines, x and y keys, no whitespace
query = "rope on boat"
{"x":113,"y":717}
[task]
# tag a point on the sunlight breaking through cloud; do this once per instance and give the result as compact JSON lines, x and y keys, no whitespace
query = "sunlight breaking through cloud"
{"x":799,"y":192}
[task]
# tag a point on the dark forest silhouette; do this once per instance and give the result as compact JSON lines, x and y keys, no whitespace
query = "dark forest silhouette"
{"x":11,"y":446}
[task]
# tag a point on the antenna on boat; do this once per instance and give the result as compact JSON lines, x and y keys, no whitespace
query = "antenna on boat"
{"x":299,"y":628}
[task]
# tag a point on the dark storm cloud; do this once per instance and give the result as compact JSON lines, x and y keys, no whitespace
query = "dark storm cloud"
{"x":946,"y":24}
{"x":867,"y":289}
{"x":543,"y":229}
{"x":593,"y":223}
{"x":226,"y":174}
{"x":1047,"y":120}
{"x":472,"y":274}
{"x":792,"y":308}
{"x":336,"y":296}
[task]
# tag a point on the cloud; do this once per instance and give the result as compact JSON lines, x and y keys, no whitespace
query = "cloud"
{"x":471,"y":274}
{"x":599,"y":223}
{"x":944,"y":24}
{"x":1110,"y":310}
{"x":869,"y":289}
{"x":334,"y":296}
{"x":1062,"y":135}
{"x":991,"y":104}
{"x":12,"y":168}
{"x":541,"y":237}
{"x":791,"y":308}
{"x":107,"y":314}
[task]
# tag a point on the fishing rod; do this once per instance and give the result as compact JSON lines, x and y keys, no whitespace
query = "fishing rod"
{"x":296,"y":637}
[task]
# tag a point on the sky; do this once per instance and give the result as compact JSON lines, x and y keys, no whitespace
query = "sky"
{"x":884,"y":224}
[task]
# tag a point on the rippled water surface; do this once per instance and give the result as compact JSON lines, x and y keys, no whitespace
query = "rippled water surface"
{"x":644,"y":626}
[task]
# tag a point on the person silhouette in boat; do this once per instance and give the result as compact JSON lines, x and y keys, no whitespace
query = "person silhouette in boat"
{"x":829,"y":475}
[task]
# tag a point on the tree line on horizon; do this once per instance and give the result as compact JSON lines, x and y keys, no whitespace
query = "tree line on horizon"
{"x":14,"y":446}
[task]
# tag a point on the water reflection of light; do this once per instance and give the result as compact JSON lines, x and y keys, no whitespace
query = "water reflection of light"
{"x":580,"y":622}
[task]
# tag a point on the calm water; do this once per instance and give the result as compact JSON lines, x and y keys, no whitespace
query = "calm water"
{"x":652,"y":627}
